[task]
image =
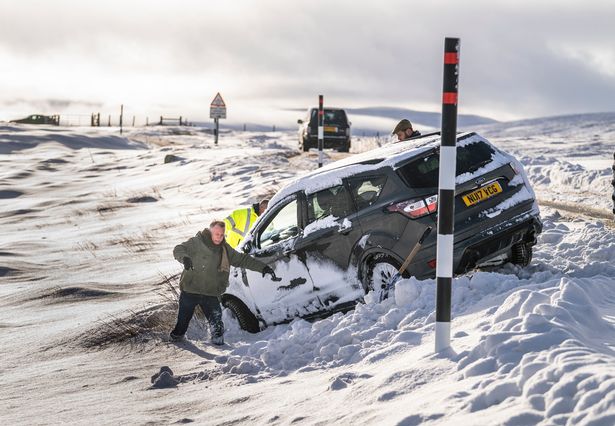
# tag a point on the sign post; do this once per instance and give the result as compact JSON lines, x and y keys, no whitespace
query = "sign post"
{"x":321,"y":130}
{"x":217,"y":110}
{"x":446,"y":194}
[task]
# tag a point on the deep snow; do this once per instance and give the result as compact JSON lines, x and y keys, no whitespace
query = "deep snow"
{"x":89,"y":220}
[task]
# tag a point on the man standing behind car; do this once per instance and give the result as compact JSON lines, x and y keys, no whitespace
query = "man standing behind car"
{"x":404,"y":130}
{"x":241,"y":221}
{"x":207,"y":259}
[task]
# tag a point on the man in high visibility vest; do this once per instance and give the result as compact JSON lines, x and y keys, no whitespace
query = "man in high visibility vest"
{"x":241,"y":221}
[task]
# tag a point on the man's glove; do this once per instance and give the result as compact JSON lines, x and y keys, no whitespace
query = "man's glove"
{"x":267,"y":270}
{"x":188,"y":263}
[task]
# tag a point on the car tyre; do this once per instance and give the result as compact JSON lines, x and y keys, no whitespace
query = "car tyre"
{"x":304,"y":146}
{"x":378,"y":271}
{"x":247,"y":321}
{"x":521,"y":254}
{"x":345,"y":147}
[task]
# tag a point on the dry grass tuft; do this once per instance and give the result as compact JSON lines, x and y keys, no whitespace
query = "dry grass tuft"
{"x":133,"y":328}
{"x":136,"y":328}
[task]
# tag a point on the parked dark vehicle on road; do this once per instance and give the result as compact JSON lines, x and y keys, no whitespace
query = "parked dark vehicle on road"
{"x":336,"y":130}
{"x":39,"y":119}
{"x":343,"y":230}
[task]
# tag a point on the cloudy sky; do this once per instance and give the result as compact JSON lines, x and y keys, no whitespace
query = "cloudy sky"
{"x":521,"y":58}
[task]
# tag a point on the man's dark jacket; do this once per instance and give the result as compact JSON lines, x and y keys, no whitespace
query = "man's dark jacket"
{"x":211,"y":264}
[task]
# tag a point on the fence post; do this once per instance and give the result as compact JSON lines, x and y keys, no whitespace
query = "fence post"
{"x":446,"y":194}
{"x":109,"y":120}
{"x":121,"y":117}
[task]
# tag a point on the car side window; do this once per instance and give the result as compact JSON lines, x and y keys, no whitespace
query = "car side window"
{"x":333,"y":201}
{"x":365,"y":191}
{"x":281,"y":227}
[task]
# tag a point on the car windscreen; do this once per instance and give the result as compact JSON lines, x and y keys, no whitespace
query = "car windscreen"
{"x":423,"y":172}
{"x":331,"y":116}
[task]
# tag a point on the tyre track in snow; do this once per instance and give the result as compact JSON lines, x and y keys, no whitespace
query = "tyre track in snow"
{"x":576,"y":210}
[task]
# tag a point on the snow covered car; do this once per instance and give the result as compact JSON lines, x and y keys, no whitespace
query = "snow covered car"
{"x":343,"y":230}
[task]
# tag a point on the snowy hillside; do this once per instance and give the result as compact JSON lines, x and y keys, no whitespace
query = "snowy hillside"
{"x":89,"y":220}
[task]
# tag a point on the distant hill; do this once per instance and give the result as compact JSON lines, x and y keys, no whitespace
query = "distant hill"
{"x":560,"y":126}
{"x":370,"y":121}
{"x":428,"y":119}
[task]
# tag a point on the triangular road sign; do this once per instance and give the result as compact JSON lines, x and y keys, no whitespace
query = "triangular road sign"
{"x":218,"y":102}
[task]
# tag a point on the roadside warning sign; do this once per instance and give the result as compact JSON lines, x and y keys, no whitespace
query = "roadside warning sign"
{"x":217,"y":109}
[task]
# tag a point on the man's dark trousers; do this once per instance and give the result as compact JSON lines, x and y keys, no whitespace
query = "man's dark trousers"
{"x":211,"y":308}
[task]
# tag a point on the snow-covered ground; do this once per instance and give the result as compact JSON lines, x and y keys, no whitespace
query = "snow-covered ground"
{"x":89,"y":220}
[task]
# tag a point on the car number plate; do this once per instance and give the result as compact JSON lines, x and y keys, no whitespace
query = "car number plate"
{"x":330,"y":129}
{"x":482,"y":194}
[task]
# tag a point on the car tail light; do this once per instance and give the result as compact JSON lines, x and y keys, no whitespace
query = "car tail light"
{"x":432,"y":263}
{"x":417,"y":208}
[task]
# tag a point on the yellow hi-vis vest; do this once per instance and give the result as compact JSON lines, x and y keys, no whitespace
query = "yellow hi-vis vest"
{"x":237,"y":225}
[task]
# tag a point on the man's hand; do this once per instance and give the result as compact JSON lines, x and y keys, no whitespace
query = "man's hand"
{"x":267,"y":270}
{"x":187,"y":263}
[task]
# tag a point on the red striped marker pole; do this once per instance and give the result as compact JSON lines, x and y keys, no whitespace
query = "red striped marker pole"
{"x":446,"y":194}
{"x":321,"y":130}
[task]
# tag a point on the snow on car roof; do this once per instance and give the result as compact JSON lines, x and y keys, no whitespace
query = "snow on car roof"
{"x":388,"y":155}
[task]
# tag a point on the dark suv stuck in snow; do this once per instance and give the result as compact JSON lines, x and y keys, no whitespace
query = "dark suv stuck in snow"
{"x":336,"y":130}
{"x":342,"y":231}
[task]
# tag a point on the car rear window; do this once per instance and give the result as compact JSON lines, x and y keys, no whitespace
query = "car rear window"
{"x":423,"y":172}
{"x":331,"y":116}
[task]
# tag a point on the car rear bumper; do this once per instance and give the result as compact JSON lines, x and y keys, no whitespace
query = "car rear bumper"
{"x":329,"y":141}
{"x":475,"y":248}
{"x":495,"y":242}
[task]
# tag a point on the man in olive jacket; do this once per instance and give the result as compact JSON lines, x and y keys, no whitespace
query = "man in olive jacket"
{"x":207,"y":258}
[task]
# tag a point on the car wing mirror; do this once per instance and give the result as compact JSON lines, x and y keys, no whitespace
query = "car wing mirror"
{"x":247,"y":247}
{"x":299,"y":121}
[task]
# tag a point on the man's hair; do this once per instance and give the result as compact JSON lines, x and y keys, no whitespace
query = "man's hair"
{"x":263,"y":204}
{"x":402,"y":126}
{"x":217,"y":222}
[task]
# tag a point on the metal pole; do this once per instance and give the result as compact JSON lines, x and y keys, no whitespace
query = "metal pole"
{"x":446,"y":194}
{"x":121,"y":117}
{"x":216,"y":132}
{"x":321,"y":131}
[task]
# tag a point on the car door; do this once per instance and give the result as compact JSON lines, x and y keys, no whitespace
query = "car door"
{"x":331,"y":233}
{"x":274,"y":243}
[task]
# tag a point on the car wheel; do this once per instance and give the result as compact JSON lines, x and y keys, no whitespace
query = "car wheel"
{"x":378,"y":272}
{"x":521,"y":254}
{"x":344,"y":148}
{"x":304,"y":146}
{"x":247,"y":321}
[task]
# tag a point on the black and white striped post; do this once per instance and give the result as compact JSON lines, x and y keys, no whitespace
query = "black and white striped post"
{"x":446,"y":194}
{"x":321,"y":130}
